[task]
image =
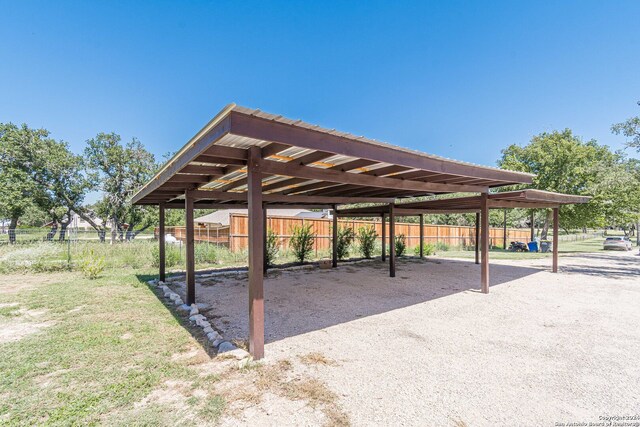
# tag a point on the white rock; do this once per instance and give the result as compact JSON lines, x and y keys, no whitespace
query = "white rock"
{"x":196,"y":317}
{"x":202,"y":305}
{"x":194,"y":309}
{"x":152,"y":282}
{"x":173,"y":296}
{"x":214,"y":335}
{"x":217,"y":342}
{"x":160,"y":283}
{"x":208,"y":330}
{"x":178,"y":301}
{"x":226,"y":346}
{"x":205,"y":324}
{"x":184,"y":308}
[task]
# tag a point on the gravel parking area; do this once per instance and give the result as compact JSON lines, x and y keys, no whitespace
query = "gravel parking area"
{"x":426,"y":348}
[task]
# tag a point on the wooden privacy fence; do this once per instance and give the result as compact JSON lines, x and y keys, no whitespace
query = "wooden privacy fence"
{"x":235,"y":236}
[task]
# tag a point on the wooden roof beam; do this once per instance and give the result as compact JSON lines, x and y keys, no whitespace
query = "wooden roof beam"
{"x":270,"y":130}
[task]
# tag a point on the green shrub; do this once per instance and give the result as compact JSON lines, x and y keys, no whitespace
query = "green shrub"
{"x":441,"y":246}
{"x":204,"y":253}
{"x":345,"y":239}
{"x":428,"y":249}
{"x":273,"y":247}
{"x":301,"y":242}
{"x":401,"y":245}
{"x":92,"y":265}
{"x":367,"y":240}
{"x":171,"y":255}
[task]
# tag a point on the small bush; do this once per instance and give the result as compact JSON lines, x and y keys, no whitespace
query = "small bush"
{"x":441,"y":246}
{"x":345,"y":238}
{"x":92,"y":265}
{"x":367,"y":240}
{"x":273,"y":247}
{"x":204,"y":253}
{"x":301,"y":242}
{"x":171,"y":255}
{"x":401,"y":244}
{"x":428,"y":249}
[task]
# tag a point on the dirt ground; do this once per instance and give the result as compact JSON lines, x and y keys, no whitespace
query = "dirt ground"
{"x":426,"y":348}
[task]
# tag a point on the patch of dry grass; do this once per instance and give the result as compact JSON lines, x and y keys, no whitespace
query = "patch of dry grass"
{"x":316,"y":358}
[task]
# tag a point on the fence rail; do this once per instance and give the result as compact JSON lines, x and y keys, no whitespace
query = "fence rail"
{"x":235,"y":236}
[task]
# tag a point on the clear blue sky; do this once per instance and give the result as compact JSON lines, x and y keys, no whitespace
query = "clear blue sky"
{"x":459,"y":79}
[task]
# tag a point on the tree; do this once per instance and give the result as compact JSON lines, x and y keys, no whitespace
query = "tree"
{"x":564,"y":163}
{"x":118,"y":170}
{"x":49,"y":165}
{"x":16,"y":197}
{"x":631,"y":129}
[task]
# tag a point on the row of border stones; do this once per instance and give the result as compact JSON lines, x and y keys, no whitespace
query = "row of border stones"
{"x":193,"y":311}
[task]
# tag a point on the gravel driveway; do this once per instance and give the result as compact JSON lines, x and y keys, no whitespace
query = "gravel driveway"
{"x":426,"y":348}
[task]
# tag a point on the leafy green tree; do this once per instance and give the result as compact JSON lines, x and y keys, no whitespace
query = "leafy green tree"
{"x":564,"y":163}
{"x":47,"y":164}
{"x":16,"y":197}
{"x":118,"y":170}
{"x":631,"y":129}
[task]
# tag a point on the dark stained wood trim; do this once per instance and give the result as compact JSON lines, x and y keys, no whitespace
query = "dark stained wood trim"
{"x":196,"y":148}
{"x":334,"y":239}
{"x":392,"y":242}
{"x":189,"y":249}
{"x":484,"y":229}
{"x":161,"y":243}
{"x":477,"y":241}
{"x":256,"y":256}
{"x":274,"y":131}
{"x":277,"y":198}
{"x":204,"y":170}
{"x":556,"y":240}
{"x":284,"y":169}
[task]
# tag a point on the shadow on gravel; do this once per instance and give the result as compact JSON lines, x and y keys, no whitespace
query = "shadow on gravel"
{"x":297,"y":302}
{"x":619,"y":266}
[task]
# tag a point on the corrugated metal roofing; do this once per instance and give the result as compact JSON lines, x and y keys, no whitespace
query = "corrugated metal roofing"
{"x":170,"y":183}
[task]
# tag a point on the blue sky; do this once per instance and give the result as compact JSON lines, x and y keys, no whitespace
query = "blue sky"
{"x":459,"y":79}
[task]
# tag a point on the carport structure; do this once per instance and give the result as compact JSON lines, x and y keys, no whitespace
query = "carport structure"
{"x":251,"y":159}
{"x":480,"y":205}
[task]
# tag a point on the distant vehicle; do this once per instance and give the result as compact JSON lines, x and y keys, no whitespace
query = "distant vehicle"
{"x":620,"y":243}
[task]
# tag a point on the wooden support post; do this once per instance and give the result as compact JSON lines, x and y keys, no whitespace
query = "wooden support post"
{"x":556,"y":240}
{"x":421,"y":235}
{"x":384,"y":238}
{"x":334,"y":239}
{"x":392,"y":242}
{"x":504,"y":230}
{"x":189,"y":249}
{"x":533,"y":227}
{"x":484,"y":228}
{"x":265,"y":264}
{"x":477,"y":237}
{"x":161,"y":242}
{"x":256,"y":256}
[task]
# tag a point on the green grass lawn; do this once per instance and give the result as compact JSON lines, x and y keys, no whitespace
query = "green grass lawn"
{"x":108,"y":351}
{"x":100,"y":347}
{"x":564,"y":248}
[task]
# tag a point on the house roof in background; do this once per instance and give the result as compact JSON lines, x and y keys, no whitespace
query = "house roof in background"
{"x":221,"y":217}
